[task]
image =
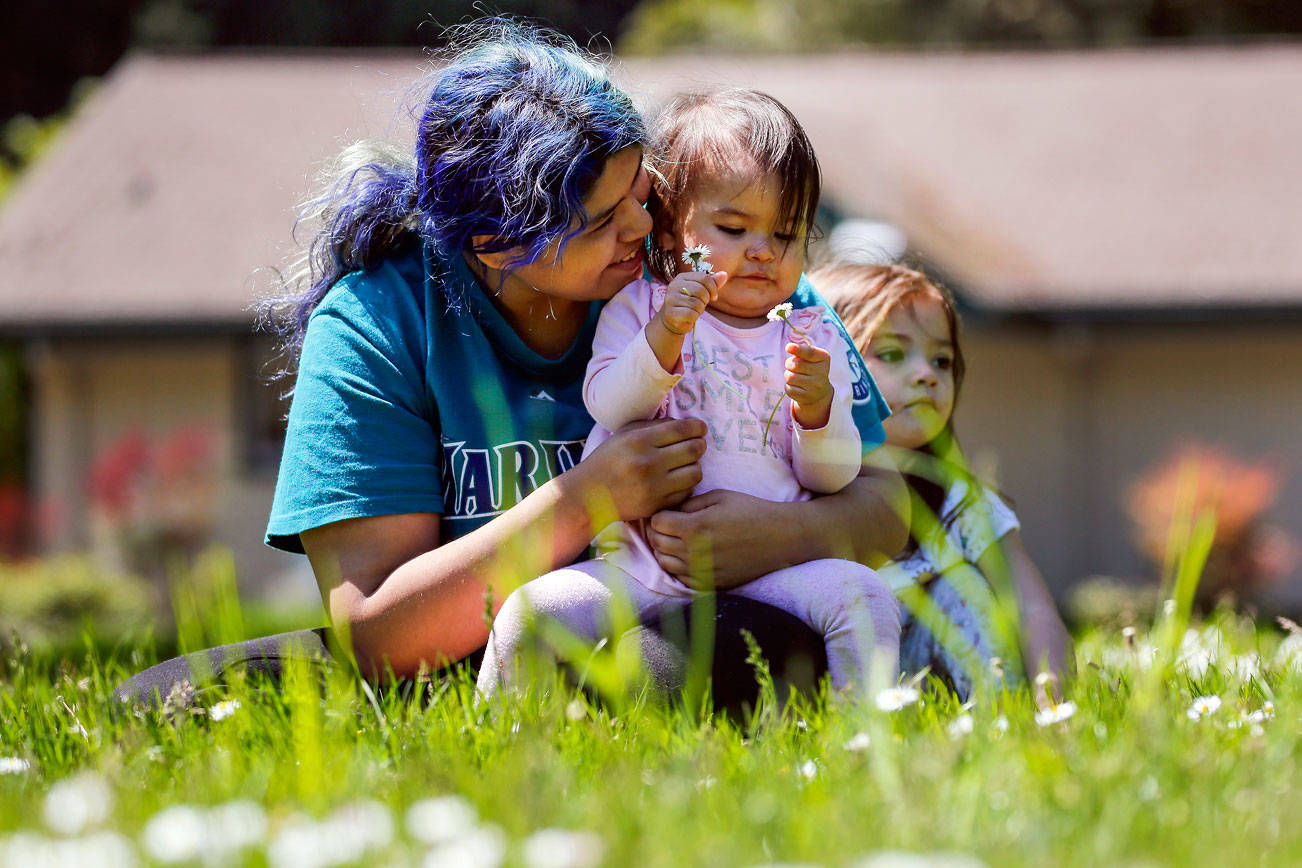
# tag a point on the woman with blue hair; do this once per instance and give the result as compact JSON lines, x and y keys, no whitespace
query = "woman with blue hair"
{"x":449,"y":302}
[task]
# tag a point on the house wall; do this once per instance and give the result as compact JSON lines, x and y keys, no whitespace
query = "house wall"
{"x":89,"y":393}
{"x":1064,"y":418}
{"x":1070,"y":416}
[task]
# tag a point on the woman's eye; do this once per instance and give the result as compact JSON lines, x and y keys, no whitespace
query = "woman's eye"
{"x":890,"y":354}
{"x":785,"y":237}
{"x":943,"y":363}
{"x":730,"y":230}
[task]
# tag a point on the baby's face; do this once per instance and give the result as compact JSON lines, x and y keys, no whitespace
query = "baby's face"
{"x":737,"y":218}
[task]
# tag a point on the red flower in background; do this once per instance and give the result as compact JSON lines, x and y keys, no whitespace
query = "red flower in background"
{"x":115,"y":476}
{"x":1247,"y":552}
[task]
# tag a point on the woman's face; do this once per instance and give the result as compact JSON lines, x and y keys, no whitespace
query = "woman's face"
{"x":911,"y":357}
{"x":605,"y":256}
{"x":738,"y":218}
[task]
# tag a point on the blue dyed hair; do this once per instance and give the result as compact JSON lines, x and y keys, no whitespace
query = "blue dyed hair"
{"x":517,"y":128}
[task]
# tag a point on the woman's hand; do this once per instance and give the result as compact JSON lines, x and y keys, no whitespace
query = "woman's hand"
{"x":643,"y":468}
{"x":717,"y":540}
{"x":809,"y":384}
{"x":741,"y":537}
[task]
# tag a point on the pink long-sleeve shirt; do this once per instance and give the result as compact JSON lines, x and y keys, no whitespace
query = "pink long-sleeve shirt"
{"x":731,"y":378}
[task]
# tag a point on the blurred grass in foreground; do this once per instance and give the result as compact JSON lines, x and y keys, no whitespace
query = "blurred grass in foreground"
{"x":256,"y":776}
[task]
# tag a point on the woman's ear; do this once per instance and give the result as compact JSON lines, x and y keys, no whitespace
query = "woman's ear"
{"x":497,"y":260}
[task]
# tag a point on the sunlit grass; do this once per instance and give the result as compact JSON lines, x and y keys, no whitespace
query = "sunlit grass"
{"x":253,"y":776}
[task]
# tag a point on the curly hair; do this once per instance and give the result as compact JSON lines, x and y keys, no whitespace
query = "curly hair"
{"x":517,"y":127}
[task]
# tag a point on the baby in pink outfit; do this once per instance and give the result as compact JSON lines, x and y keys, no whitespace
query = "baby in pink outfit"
{"x":775,"y":386}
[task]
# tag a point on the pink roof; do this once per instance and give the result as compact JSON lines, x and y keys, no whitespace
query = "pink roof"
{"x":1036,"y":181}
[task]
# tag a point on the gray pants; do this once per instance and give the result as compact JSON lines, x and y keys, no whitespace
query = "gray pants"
{"x":845,"y":602}
{"x":955,"y":626}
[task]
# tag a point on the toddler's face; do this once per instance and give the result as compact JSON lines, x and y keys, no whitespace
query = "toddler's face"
{"x":737,"y":218}
{"x":911,"y":357}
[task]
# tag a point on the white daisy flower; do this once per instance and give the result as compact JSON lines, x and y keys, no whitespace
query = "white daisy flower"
{"x":77,"y":803}
{"x":1149,"y":789}
{"x":562,"y":848}
{"x":902,"y":859}
{"x":780,"y":312}
{"x":1056,"y":713}
{"x":961,"y":726}
{"x":224,"y":709}
{"x":369,"y":822}
{"x":808,"y":770}
{"x":858,"y":742}
{"x":1289,"y":653}
{"x":13,"y":765}
{"x":237,"y":824}
{"x":440,"y":819}
{"x":696,"y":257}
{"x":576,"y":710}
{"x":483,"y":847}
{"x":97,"y":850}
{"x":176,"y":834}
{"x":1245,"y":667}
{"x":895,"y":698}
{"x":1203,"y":706}
{"x":1000,"y":725}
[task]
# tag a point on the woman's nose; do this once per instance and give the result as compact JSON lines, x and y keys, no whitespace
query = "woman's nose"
{"x":925,"y":374}
{"x":637,"y":225}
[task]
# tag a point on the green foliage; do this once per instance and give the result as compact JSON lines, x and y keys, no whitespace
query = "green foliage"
{"x":47,"y":602}
{"x":24,"y":139}
{"x":816,"y":25}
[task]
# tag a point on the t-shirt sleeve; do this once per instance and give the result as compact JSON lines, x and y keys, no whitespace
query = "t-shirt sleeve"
{"x":363,"y":436}
{"x":870,"y":408}
{"x":982,"y":522}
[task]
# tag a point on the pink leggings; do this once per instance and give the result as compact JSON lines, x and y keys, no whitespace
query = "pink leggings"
{"x":844,"y":601}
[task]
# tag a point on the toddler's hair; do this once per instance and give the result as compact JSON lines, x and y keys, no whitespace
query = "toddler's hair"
{"x":728,"y":132}
{"x":864,"y":295}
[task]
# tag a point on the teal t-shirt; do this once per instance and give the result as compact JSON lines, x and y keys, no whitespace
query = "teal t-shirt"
{"x":415,"y":395}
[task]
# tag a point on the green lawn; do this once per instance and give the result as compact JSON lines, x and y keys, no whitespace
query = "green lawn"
{"x":322,"y":774}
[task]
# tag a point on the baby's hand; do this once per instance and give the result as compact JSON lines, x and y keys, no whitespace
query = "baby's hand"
{"x":686,"y":298}
{"x":809,"y":385}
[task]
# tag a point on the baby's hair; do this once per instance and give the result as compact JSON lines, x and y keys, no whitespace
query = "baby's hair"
{"x":728,"y":132}
{"x":864,"y":296}
{"x":517,"y":127}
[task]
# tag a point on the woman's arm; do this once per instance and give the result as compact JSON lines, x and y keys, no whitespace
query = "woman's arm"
{"x":1046,"y":644}
{"x":403,"y":599}
{"x":743,"y":537}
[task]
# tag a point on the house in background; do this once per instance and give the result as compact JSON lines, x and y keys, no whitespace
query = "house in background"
{"x":1124,"y":230}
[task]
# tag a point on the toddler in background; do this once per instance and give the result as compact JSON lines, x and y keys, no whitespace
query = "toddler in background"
{"x":974,"y":603}
{"x":783,"y":392}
